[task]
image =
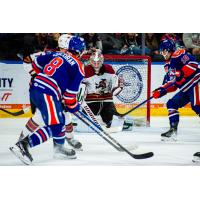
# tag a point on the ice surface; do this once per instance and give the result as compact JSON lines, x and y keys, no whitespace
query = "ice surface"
{"x":96,"y":151}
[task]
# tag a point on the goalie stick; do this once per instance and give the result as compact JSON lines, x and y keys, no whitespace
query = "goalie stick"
{"x":96,"y":131}
{"x":93,"y":117}
{"x":135,"y":156}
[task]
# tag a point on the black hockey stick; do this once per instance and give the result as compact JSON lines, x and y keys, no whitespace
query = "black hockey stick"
{"x":136,"y":156}
{"x":145,"y":101}
{"x":132,"y":109}
{"x":96,"y":131}
{"x":21,"y":112}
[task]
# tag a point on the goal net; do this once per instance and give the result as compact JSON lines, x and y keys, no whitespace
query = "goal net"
{"x":136,"y":73}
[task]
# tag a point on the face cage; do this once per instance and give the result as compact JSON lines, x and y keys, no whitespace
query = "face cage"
{"x":96,"y":64}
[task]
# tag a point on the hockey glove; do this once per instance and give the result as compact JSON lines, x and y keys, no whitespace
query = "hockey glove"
{"x":72,"y":105}
{"x":73,"y":109}
{"x":159,"y":92}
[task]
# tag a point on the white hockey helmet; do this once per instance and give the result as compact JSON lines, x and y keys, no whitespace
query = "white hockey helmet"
{"x":96,"y":60}
{"x":63,"y":41}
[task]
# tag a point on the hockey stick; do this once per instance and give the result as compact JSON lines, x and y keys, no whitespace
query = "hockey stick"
{"x":132,"y":109}
{"x":21,"y":112}
{"x":136,"y":156}
{"x":96,"y":131}
{"x":93,"y":117}
{"x":145,"y":101}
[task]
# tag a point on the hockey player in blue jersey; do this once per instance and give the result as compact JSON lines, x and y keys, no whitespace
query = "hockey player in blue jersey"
{"x":183,"y":73}
{"x":36,"y":120}
{"x":59,"y":77}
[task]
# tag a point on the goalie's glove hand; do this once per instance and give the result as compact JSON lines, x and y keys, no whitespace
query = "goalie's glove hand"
{"x":159,"y":92}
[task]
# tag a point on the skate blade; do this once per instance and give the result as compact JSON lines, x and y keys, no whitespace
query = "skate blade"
{"x":59,"y":156}
{"x":166,"y":139}
{"x":196,"y":159}
{"x":18,"y":154}
{"x":73,"y":147}
{"x":80,"y":149}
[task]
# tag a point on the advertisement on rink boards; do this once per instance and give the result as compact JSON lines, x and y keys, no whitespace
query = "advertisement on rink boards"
{"x":14,"y":86}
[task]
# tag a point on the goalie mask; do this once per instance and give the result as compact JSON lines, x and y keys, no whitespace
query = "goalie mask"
{"x":96,"y":60}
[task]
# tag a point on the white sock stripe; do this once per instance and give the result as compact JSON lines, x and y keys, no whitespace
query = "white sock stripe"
{"x":57,"y":138}
{"x":171,"y":115}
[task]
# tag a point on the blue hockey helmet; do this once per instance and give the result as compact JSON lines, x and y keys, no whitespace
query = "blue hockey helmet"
{"x":167,"y":45}
{"x":76,"y":45}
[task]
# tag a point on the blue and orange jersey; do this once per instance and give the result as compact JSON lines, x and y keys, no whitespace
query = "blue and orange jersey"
{"x":58,"y":74}
{"x":183,"y":63}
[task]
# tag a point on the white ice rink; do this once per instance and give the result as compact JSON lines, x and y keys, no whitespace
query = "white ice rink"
{"x":98,"y":152}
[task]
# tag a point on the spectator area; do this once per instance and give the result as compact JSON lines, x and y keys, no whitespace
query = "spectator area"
{"x":109,"y":43}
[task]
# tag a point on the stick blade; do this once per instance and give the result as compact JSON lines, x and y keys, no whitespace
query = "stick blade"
{"x":143,"y":155}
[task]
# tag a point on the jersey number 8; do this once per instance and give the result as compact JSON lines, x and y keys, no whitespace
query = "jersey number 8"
{"x":50,"y":68}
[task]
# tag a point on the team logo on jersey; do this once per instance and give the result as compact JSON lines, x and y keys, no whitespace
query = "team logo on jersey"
{"x":102,"y":84}
{"x":133,"y":84}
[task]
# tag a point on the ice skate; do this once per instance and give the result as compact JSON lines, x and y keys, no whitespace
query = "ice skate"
{"x":74,"y":143}
{"x":20,"y":150}
{"x":61,"y":152}
{"x":196,"y":157}
{"x":127,"y":126}
{"x":170,"y":135}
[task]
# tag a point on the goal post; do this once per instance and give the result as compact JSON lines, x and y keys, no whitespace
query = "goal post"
{"x":135,"y":70}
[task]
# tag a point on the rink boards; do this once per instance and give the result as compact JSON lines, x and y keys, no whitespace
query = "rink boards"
{"x":14,"y":84}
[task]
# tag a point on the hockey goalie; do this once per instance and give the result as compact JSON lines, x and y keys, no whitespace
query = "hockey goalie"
{"x":101,"y":85}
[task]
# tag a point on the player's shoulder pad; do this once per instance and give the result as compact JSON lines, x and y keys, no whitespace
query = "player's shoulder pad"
{"x":108,"y":69}
{"x":89,"y":71}
{"x":178,"y":53}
